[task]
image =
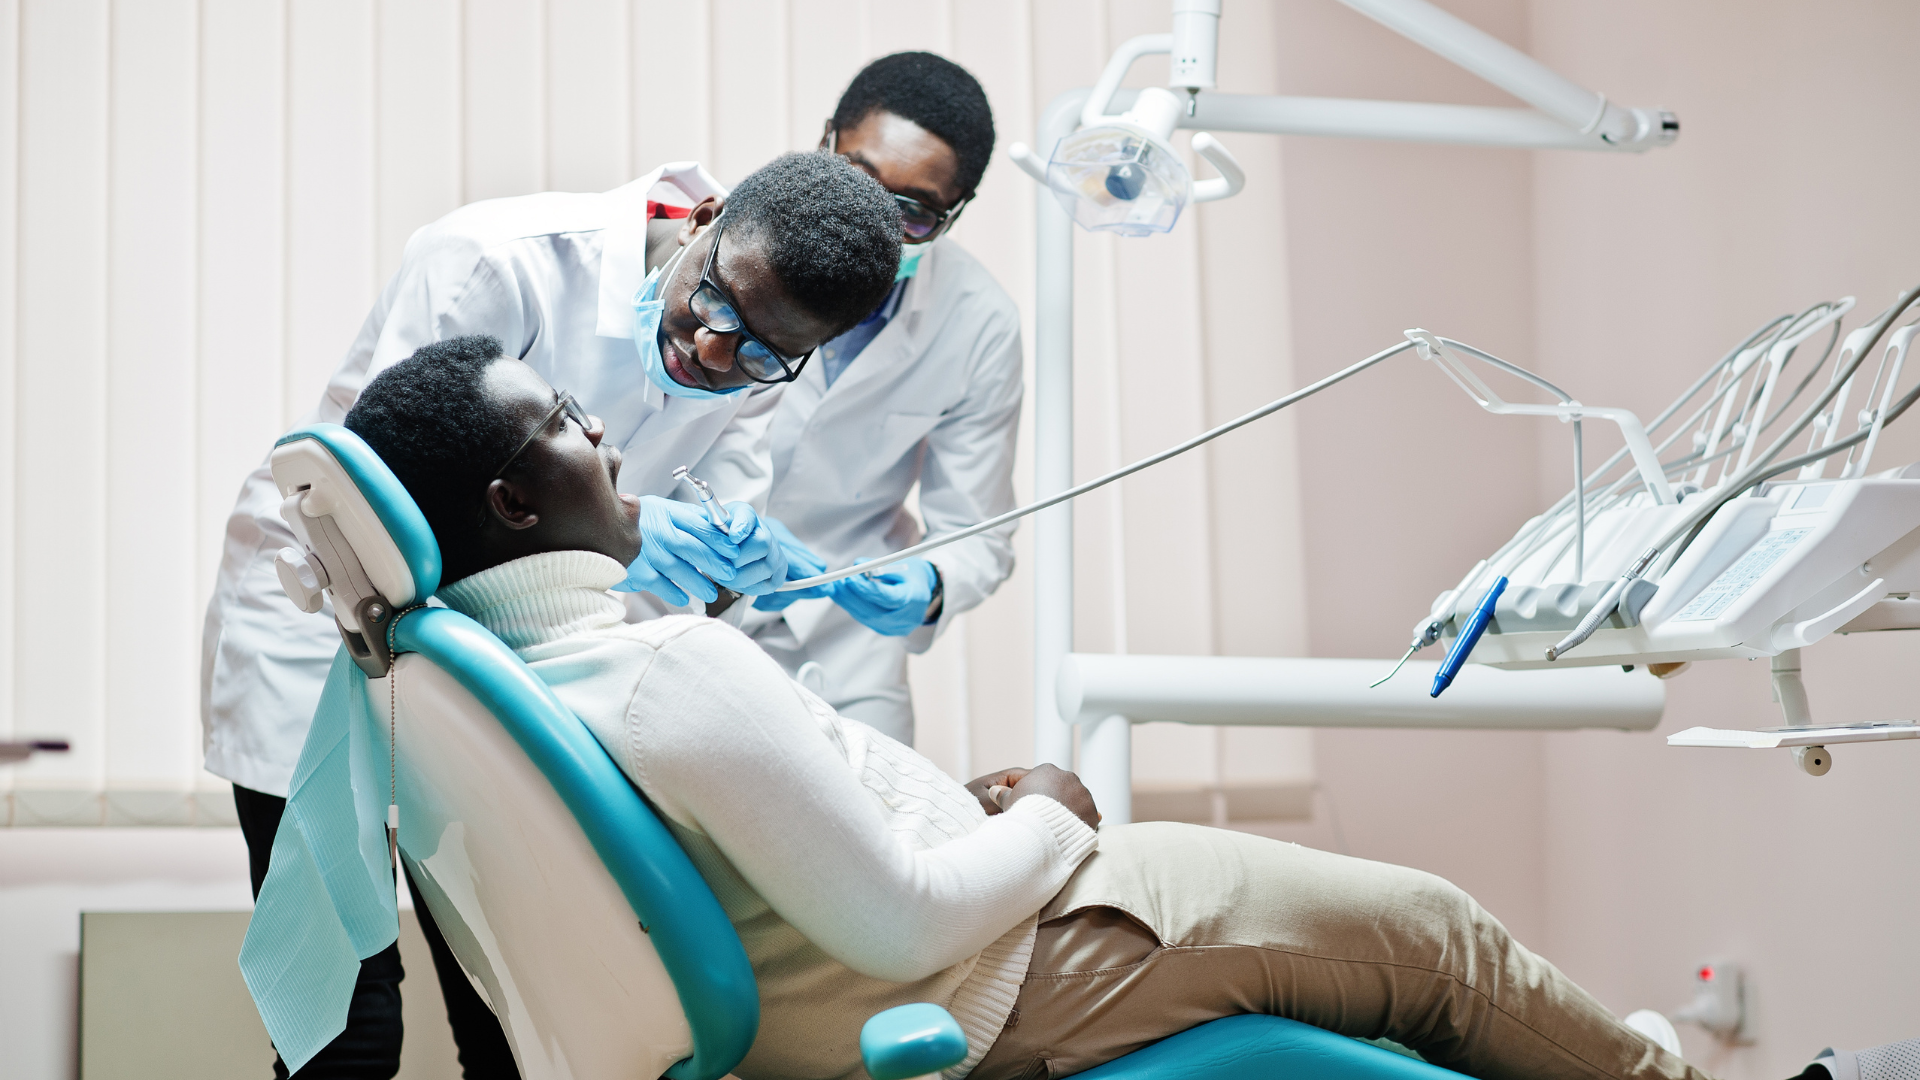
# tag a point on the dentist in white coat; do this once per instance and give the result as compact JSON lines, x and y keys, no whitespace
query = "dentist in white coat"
{"x":926,"y":389}
{"x":675,"y":326}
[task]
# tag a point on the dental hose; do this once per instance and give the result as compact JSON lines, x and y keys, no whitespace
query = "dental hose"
{"x":1759,"y":471}
{"x":1098,"y":482}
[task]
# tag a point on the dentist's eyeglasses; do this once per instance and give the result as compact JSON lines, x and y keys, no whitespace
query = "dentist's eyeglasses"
{"x":714,"y":307}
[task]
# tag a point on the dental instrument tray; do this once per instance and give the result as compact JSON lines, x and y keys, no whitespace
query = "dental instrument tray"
{"x":1810,"y":735}
{"x":1724,"y":538}
{"x":1777,"y":569}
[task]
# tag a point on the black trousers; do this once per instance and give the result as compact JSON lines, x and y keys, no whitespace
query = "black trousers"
{"x":369,"y":1049}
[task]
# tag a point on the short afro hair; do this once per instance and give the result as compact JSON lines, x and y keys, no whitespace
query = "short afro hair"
{"x":935,"y":93}
{"x":430,"y":419}
{"x":831,"y":232}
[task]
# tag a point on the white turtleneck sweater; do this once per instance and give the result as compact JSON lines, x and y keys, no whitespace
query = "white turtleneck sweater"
{"x":858,"y":875}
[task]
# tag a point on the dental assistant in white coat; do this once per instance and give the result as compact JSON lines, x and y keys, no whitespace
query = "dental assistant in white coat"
{"x":672,"y":326}
{"x":927,"y":388}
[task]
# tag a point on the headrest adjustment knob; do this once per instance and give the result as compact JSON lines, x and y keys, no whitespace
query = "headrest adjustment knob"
{"x":303,"y":577}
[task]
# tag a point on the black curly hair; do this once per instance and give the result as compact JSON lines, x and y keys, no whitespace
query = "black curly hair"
{"x":429,"y":417}
{"x":831,"y":232}
{"x":935,"y":93}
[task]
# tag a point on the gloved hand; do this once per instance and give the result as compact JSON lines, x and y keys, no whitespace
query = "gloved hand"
{"x":682,"y":554}
{"x":801,"y":563}
{"x":761,"y":564}
{"x":891,"y":601}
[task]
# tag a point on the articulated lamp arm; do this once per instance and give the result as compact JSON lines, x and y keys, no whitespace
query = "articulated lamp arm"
{"x":1232,"y":177}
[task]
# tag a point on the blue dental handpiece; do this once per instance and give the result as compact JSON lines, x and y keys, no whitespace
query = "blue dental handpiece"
{"x":1469,"y":637}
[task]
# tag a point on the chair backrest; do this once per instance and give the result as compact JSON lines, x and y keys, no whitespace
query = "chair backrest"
{"x":569,"y":905}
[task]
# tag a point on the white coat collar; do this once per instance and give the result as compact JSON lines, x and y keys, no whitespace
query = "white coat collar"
{"x":900,"y":337}
{"x":623,"y":259}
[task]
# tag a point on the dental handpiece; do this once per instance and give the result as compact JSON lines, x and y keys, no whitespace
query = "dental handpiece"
{"x":715,"y":513}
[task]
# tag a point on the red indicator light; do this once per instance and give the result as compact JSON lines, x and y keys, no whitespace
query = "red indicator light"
{"x":1706,"y":974}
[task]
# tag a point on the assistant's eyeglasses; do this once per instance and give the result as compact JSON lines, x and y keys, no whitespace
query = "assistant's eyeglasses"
{"x":919,"y":223}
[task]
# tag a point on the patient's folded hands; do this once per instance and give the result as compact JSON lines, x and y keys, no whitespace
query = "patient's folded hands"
{"x":1056,"y":783}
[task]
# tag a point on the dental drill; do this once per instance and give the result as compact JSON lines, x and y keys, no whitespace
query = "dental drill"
{"x":717,"y":515}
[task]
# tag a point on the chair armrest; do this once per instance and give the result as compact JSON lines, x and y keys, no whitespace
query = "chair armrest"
{"x":911,"y":1040}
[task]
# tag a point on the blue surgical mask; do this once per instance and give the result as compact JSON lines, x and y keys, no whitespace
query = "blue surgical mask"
{"x":909,"y":260}
{"x":648,"y":307}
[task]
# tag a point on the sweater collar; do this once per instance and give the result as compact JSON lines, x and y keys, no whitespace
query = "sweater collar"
{"x":541,"y":598}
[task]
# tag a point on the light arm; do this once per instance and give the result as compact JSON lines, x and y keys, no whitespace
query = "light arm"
{"x":1506,"y":67}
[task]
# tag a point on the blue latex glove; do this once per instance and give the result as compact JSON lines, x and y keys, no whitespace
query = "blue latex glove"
{"x":801,"y":563}
{"x":682,"y":554}
{"x":760,"y":564}
{"x":892,"y":601}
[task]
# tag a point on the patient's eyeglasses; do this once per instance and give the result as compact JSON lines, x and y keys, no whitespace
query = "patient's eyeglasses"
{"x":563,"y":403}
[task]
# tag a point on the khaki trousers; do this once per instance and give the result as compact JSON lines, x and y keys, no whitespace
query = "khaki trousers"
{"x":1169,"y":926}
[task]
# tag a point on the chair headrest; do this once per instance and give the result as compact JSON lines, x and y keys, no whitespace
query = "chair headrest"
{"x":365,"y":541}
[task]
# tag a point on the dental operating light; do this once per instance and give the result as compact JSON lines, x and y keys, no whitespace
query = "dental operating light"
{"x":1121,"y":173}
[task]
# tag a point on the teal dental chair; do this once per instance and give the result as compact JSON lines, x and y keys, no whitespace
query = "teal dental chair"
{"x":567,"y":902}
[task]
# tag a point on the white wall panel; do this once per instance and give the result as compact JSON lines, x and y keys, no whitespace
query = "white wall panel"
{"x":906,"y":25}
{"x":330,"y":189}
{"x":151,"y":655}
{"x":506,"y":98}
{"x":750,"y":64}
{"x":588,"y":97}
{"x":9,"y":386}
{"x":60,"y":652}
{"x":828,"y":45}
{"x":243,"y":256}
{"x":417,"y":157}
{"x":672,"y":113}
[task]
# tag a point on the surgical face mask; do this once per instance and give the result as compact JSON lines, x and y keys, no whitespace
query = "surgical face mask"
{"x":909,"y":260}
{"x":648,"y":307}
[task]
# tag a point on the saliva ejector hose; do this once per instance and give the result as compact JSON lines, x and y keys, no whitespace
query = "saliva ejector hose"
{"x":1098,"y":482}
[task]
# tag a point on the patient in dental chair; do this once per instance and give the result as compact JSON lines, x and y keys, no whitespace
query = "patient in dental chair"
{"x":860,"y":877}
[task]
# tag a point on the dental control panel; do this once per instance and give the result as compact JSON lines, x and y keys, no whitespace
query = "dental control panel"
{"x":1777,"y":569}
{"x":1722,"y":536}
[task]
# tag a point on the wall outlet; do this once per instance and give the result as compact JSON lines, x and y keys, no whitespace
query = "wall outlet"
{"x":1719,"y":1000}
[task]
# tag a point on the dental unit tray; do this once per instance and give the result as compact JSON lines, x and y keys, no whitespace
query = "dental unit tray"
{"x":1778,"y":569}
{"x":1735,"y":543}
{"x":1810,"y":735}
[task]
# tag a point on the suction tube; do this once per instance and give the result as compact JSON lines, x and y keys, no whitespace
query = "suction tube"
{"x":1098,"y":482}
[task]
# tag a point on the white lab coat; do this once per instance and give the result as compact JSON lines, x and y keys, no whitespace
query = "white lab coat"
{"x":934,"y":398}
{"x":553,"y":277}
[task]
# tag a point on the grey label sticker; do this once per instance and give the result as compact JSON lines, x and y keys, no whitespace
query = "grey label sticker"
{"x":1735,"y":580}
